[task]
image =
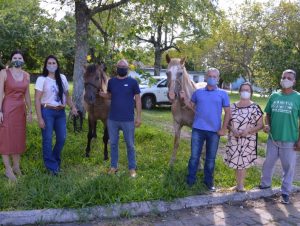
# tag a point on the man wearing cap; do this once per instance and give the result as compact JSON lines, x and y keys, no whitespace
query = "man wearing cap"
{"x":124,"y":93}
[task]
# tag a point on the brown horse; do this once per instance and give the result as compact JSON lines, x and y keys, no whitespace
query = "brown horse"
{"x":97,"y":107}
{"x":179,"y":80}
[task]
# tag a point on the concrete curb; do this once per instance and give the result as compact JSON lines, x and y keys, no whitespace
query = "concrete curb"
{"x":129,"y":209}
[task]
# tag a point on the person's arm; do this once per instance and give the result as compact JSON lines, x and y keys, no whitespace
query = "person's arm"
{"x":297,"y":145}
{"x":255,"y":129}
{"x":2,"y":81}
{"x":106,"y":95}
{"x":188,"y":103}
{"x":138,"y":106}
{"x":267,"y":126}
{"x":71,"y":104}
{"x":28,"y":101}
{"x":226,"y":120}
{"x":37,"y":100}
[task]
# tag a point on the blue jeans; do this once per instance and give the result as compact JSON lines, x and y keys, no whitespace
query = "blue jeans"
{"x":212,"y":144}
{"x":128,"y":131}
{"x":54,"y":120}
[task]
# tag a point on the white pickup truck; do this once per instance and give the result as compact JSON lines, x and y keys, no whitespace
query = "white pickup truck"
{"x":157,"y":94}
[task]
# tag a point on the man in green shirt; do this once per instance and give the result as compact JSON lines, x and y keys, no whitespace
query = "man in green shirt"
{"x":282,"y":124}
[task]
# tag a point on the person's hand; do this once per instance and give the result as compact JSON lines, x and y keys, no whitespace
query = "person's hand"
{"x":235,"y":132}
{"x":102,"y":94}
{"x":182,"y":95}
{"x":222,"y":132}
{"x":297,"y":146}
{"x":137,"y":122}
{"x":1,"y":117}
{"x":245,"y":132}
{"x":266,"y":129}
{"x":41,"y":123}
{"x":172,"y":95}
{"x":29,"y":117}
{"x":74,"y":110}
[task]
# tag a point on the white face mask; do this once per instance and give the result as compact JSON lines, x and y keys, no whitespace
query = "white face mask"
{"x":285,"y":83}
{"x":245,"y":95}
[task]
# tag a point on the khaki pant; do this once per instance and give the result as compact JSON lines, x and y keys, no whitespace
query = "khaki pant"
{"x":287,"y":155}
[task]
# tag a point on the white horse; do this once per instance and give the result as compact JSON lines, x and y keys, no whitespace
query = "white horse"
{"x":179,"y":80}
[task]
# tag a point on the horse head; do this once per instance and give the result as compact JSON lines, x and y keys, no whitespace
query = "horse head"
{"x":176,"y":73}
{"x":94,"y":80}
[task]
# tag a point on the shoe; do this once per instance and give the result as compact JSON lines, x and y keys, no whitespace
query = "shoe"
{"x":132,"y":173}
{"x":112,"y":171}
{"x":240,"y":189}
{"x":211,"y":188}
{"x":263,"y":187}
{"x":285,"y":199}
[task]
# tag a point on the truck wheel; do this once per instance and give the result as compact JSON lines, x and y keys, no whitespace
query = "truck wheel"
{"x":148,"y":102}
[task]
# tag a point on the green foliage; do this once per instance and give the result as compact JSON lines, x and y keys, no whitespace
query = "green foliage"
{"x":25,"y":26}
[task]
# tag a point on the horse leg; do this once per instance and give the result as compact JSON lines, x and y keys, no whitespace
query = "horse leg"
{"x":89,"y":138}
{"x":80,"y":114}
{"x":94,"y":129}
{"x":177,"y":130}
{"x":105,"y":141}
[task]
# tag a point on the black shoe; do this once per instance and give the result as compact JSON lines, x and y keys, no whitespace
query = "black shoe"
{"x":285,"y":199}
{"x":263,"y":187}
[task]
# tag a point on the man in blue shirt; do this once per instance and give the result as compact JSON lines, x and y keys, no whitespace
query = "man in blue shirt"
{"x":207,"y":103}
{"x":124,"y":92}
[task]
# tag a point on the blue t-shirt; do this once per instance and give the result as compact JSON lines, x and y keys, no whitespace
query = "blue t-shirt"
{"x":208,"y":111}
{"x":122,"y":98}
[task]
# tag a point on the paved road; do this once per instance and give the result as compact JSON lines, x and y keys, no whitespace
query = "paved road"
{"x":258,"y":212}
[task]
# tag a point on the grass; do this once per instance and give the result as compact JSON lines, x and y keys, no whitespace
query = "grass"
{"x":84,"y":182}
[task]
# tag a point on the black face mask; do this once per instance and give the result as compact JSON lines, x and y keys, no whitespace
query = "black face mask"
{"x":122,"y":72}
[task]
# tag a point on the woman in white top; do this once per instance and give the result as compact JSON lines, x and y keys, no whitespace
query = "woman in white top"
{"x":51,"y":97}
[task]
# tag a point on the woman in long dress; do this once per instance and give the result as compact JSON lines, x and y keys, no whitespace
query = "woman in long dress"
{"x":246,"y":121}
{"x":14,"y":94}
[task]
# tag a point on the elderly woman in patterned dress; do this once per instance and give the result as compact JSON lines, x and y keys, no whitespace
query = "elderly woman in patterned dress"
{"x":246,"y":121}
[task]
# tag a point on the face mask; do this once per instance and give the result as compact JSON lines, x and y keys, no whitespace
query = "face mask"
{"x":51,"y":68}
{"x":212,"y":81}
{"x":285,"y":83}
{"x":17,"y":63}
{"x":122,"y":72}
{"x":245,"y":95}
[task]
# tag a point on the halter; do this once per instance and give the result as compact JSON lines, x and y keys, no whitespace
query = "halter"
{"x":91,"y":84}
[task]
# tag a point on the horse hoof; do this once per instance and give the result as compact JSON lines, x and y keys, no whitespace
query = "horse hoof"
{"x":87,"y":155}
{"x":106,"y":158}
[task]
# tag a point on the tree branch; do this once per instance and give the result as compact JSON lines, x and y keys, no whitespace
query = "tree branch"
{"x":99,"y":27}
{"x":151,"y":40}
{"x":101,"y":8}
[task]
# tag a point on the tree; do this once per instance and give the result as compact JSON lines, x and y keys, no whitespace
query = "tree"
{"x":83,"y":15}
{"x":234,"y":42}
{"x":280,"y":48}
{"x":160,"y":23}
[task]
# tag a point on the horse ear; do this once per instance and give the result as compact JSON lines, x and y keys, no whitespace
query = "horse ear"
{"x":182,"y":61}
{"x":168,"y":59}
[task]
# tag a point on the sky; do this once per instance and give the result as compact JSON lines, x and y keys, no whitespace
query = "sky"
{"x":53,"y":7}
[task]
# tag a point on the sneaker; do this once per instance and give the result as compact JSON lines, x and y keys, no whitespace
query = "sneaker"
{"x":211,"y":188}
{"x":112,"y":171}
{"x":263,"y":187}
{"x":285,"y":199}
{"x":132,"y":173}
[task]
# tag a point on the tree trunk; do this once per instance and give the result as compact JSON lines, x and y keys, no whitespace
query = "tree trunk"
{"x":82,"y":22}
{"x":157,"y":61}
{"x":158,"y":52}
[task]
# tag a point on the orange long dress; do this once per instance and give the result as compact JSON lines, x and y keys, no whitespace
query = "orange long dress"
{"x":13,"y":127}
